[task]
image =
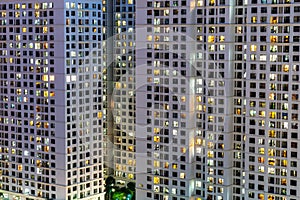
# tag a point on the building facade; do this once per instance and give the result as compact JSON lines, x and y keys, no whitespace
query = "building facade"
{"x":119,"y":132}
{"x":217,"y":99}
{"x":190,"y":99}
{"x":51,"y":100}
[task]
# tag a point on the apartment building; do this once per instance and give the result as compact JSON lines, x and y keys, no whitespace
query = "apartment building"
{"x":51,"y":99}
{"x":217,"y":99}
{"x":120,"y":137}
{"x":190,"y":99}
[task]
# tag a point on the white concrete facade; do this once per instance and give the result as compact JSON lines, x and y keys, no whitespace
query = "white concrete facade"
{"x":51,"y":117}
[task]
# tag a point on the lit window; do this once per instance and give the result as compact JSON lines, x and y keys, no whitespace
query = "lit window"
{"x":261,"y":168}
{"x":261,"y":150}
{"x":156,"y":139}
{"x":211,"y":39}
{"x":285,"y":68}
{"x":222,"y":38}
{"x":210,"y":154}
{"x":182,"y":175}
{"x":273,"y":39}
{"x":174,"y":166}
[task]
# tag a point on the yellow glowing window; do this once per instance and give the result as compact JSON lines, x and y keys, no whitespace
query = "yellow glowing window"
{"x":199,"y":98}
{"x":38,"y":124}
{"x":156,"y":130}
{"x":273,"y":48}
{"x":20,"y":167}
{"x":45,"y":29}
{"x":199,"y":107}
{"x":221,"y":146}
{"x":274,"y":20}
{"x":37,"y":14}
{"x":166,"y":107}
{"x":199,"y":38}
{"x":130,"y":176}
{"x":210,"y":154}
{"x":183,"y":99}
{"x":36,"y":6}
{"x":261,"y":196}
{"x":166,"y":165}
{"x":283,"y":181}
{"x":19,"y":91}
{"x":238,"y":111}
{"x":156,"y":138}
{"x":220,"y":181}
{"x":253,"y":19}
{"x":271,"y":152}
{"x":262,"y":113}
{"x":100,"y":115}
{"x":284,"y":163}
{"x":45,"y":77}
{"x":17,"y":6}
{"x":211,"y":38}
{"x":156,"y":180}
{"x":285,"y":68}
{"x":156,"y":72}
{"x":239,"y":29}
{"x":253,"y":47}
{"x":273,"y":38}
{"x":46,"y":94}
{"x":272,"y":115}
{"x":46,"y":148}
{"x":261,"y":159}
{"x":198,"y":141}
{"x":174,"y":166}
{"x":156,"y":163}
{"x":271,"y":161}
{"x":210,"y":145}
{"x":261,"y":150}
{"x":222,"y":38}
{"x":284,"y":153}
{"x":272,"y":134}
{"x":24,"y":29}
{"x":272,"y":96}
{"x":183,"y":150}
{"x":200,"y":3}
{"x":130,"y":148}
{"x":38,"y":163}
{"x":261,"y":169}
{"x":118,"y":85}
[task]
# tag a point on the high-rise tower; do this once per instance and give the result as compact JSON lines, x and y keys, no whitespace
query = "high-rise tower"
{"x":217,"y":116}
{"x":190,"y":99}
{"x":120,"y":129}
{"x":51,"y":99}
